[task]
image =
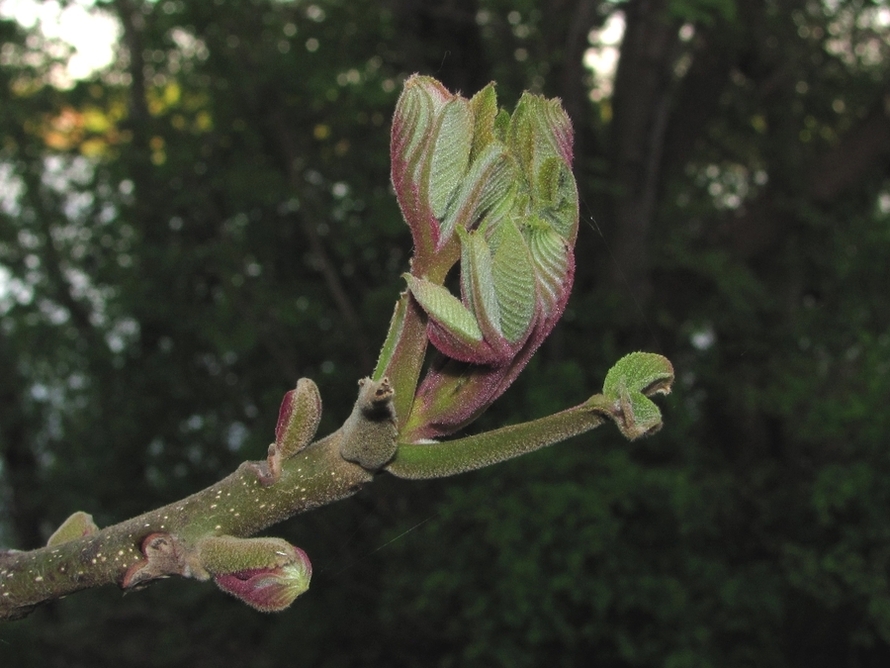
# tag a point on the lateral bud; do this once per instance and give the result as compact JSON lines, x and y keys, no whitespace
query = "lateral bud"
{"x":267,"y":574}
{"x":77,"y":525}
{"x":370,"y":432}
{"x":298,"y":420}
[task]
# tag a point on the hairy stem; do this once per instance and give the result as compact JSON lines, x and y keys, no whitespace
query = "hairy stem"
{"x":420,"y":461}
{"x":238,"y":505}
{"x":402,"y":355}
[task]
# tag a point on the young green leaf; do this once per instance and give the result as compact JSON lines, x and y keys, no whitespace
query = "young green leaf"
{"x":628,"y":386}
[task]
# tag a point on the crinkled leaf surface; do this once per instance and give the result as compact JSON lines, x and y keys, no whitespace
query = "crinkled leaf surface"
{"x":628,"y":386}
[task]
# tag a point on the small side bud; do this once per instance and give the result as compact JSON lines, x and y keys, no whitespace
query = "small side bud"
{"x":298,"y":418}
{"x":267,"y":574}
{"x":78,"y":525}
{"x":164,"y":555}
{"x":370,"y":432}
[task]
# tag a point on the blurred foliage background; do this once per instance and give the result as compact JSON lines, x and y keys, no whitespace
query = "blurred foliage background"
{"x":188,"y":230}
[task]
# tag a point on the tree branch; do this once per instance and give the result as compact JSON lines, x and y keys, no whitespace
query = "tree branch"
{"x":457,"y":186}
{"x":239,"y":505}
{"x":202,"y":536}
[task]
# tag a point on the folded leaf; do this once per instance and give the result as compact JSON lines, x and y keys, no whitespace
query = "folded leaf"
{"x":629,"y":383}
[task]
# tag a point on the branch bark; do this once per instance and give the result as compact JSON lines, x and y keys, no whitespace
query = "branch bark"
{"x":191,"y":537}
{"x":238,"y":505}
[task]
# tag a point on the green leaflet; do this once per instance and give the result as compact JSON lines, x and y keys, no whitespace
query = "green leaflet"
{"x":484,"y":106}
{"x":538,"y":138}
{"x":415,"y":113}
{"x":478,"y":283}
{"x":549,"y":181}
{"x":539,"y":128}
{"x":445,"y":309}
{"x":557,"y":197}
{"x":514,"y":282}
{"x":502,"y":125}
{"x":487,"y":187}
{"x":550,"y":255}
{"x":520,"y":134}
{"x":451,"y":154}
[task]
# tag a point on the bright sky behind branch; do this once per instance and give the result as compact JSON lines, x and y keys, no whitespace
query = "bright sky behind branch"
{"x":90,"y":31}
{"x":602,"y":56}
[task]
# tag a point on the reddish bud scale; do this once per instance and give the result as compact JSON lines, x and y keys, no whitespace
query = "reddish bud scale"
{"x":269,"y":589}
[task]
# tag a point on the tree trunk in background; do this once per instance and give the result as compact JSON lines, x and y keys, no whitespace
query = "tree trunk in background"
{"x":565,"y":34}
{"x":640,"y":111}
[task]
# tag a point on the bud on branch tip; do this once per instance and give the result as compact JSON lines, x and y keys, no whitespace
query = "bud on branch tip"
{"x":497,"y":188}
{"x":627,"y":388}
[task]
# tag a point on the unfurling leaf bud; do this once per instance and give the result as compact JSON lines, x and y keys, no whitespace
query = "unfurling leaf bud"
{"x":266,"y":573}
{"x":447,"y":168}
{"x":629,"y":384}
{"x":513,"y":211}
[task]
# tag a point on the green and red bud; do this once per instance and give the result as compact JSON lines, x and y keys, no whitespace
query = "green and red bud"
{"x":447,"y":169}
{"x":298,"y":418}
{"x":265,"y":573}
{"x":507,"y":197}
{"x":267,"y":589}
